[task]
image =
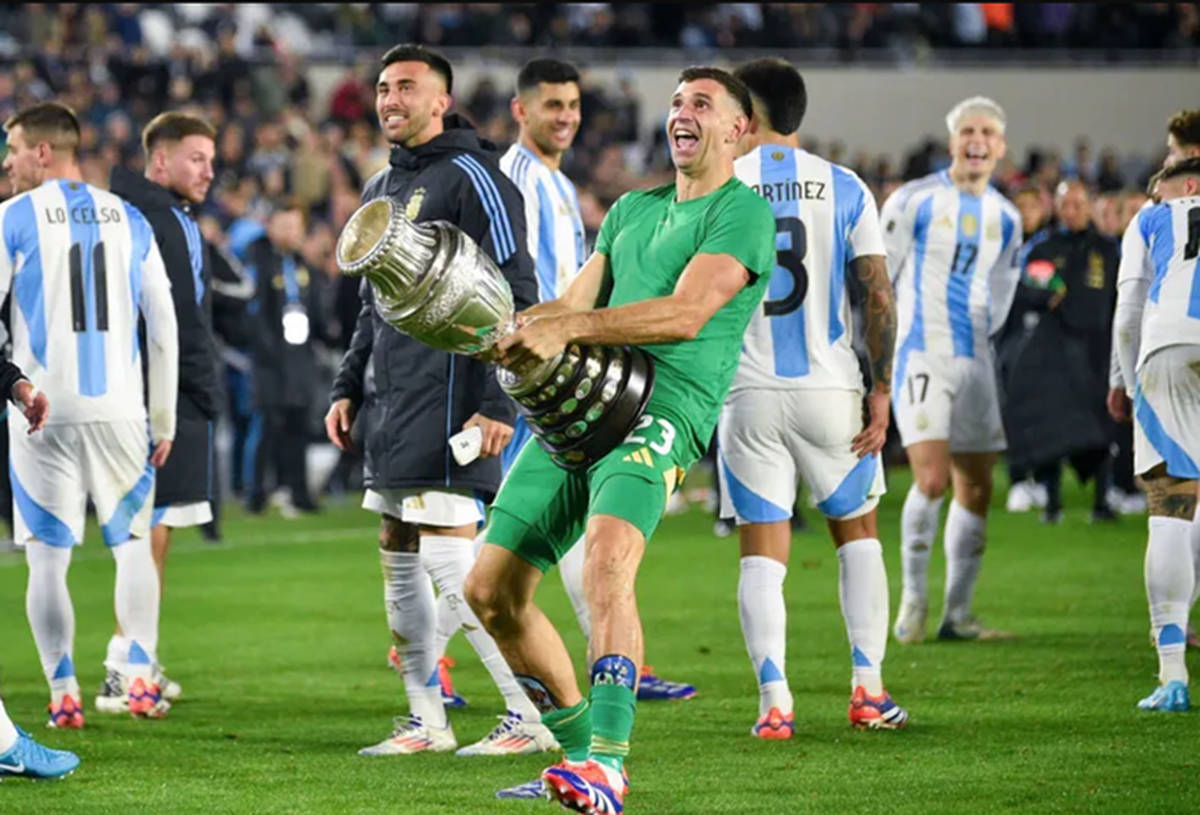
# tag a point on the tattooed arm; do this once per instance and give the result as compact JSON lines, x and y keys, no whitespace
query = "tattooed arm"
{"x":879,"y":310}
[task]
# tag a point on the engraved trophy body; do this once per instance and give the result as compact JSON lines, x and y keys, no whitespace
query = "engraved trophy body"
{"x":433,"y":283}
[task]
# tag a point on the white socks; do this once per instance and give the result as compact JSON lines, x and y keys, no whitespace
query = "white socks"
{"x":137,"y":602}
{"x":764,"y":626}
{"x":863,"y":589}
{"x":571,"y":569}
{"x":1196,"y":557}
{"x":51,"y":615}
{"x":408,"y":599}
{"x":8,"y":733}
{"x":448,"y":561}
{"x":966,"y":539}
{"x":1170,"y":579}
{"x":918,"y":528}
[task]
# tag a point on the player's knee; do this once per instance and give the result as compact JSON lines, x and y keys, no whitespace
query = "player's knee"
{"x":975,"y":495}
{"x":1169,"y":497}
{"x":933,"y":481}
{"x":494,"y":605}
{"x":397,"y":536}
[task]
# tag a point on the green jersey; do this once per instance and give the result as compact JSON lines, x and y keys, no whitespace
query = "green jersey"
{"x":649,"y":238}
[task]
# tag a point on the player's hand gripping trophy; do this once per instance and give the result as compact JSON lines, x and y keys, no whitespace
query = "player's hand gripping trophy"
{"x":433,"y":283}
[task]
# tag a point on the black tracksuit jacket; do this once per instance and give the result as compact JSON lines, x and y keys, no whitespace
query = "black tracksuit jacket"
{"x":413,"y":397}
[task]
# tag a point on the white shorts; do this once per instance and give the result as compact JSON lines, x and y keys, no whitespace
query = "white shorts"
{"x":766,"y":439}
{"x":1166,"y":412}
{"x":56,"y":470}
{"x":178,"y":516}
{"x":427,"y":507}
{"x":949,"y":399}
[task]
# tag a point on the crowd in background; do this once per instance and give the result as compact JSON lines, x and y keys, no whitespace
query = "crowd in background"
{"x":242,"y":67}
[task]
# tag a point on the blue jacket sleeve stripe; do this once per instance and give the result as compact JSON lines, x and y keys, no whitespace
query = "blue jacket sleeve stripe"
{"x":493,"y":205}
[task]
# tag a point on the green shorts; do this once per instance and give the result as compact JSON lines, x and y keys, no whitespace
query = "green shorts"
{"x":542,"y":509}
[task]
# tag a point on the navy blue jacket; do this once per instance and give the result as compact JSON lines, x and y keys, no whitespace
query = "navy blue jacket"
{"x":413,"y":397}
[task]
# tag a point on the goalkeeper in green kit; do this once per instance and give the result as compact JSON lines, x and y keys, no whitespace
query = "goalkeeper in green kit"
{"x":685,"y":265}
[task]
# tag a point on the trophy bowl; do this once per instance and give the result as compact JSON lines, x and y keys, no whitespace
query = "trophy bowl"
{"x":432,"y":282}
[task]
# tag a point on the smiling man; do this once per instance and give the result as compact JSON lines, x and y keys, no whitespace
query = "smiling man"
{"x":953,"y":244}
{"x":430,"y":506}
{"x":678,"y":269}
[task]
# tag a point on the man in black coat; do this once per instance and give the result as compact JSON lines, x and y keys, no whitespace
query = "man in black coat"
{"x":1055,"y":359}
{"x":179,"y":151}
{"x":286,"y":324}
{"x":439,"y":169}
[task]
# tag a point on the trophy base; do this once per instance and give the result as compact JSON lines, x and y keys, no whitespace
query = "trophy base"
{"x":585,"y":402}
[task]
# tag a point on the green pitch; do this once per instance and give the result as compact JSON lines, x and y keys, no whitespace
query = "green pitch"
{"x":279,"y":640}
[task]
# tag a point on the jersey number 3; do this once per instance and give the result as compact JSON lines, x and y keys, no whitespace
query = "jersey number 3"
{"x":792,"y":259}
{"x":78,"y":287}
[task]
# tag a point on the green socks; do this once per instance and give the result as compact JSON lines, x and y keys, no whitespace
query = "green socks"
{"x":572,"y":728}
{"x":614,"y":703}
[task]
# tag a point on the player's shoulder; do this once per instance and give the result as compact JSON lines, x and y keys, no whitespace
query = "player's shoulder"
{"x":521,"y":166}
{"x":634,"y":200}
{"x":918,"y":189}
{"x":737,"y":193}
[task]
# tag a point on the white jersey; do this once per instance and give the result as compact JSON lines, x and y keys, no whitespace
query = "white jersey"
{"x":553,"y":220}
{"x":82,"y":265}
{"x":953,"y":258}
{"x":1162,"y":247}
{"x":825,"y":217}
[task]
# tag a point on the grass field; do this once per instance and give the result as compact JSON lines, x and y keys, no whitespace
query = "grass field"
{"x":278,"y":637}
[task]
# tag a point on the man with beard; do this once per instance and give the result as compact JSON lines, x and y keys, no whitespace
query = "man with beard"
{"x":439,"y":170}
{"x":179,"y":152}
{"x":678,"y":269}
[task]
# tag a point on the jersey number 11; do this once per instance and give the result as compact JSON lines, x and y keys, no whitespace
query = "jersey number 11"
{"x":99,"y":271}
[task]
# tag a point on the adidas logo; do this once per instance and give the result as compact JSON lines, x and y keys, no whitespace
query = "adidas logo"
{"x":641,"y":456}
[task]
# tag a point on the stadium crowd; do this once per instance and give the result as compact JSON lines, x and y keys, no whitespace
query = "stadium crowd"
{"x":120,"y":64}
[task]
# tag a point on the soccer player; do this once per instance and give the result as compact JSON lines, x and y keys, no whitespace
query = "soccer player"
{"x":83,"y":265}
{"x":20,"y":755}
{"x":439,"y":169}
{"x":678,"y":269}
{"x":179,"y":150}
{"x":952,"y":245}
{"x":795,"y":407}
{"x":547,"y":111}
{"x":1157,"y":333}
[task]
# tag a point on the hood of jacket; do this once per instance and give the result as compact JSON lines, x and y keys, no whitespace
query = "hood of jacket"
{"x":459,"y":136}
{"x":144,"y":193}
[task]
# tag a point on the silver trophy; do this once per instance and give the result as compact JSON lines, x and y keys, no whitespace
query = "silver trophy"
{"x":433,"y":283}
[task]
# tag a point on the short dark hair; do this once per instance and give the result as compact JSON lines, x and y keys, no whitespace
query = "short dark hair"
{"x":1185,"y":127}
{"x":735,"y":87}
{"x":779,"y":89}
{"x":51,"y":122}
{"x":174,"y":126}
{"x":1187,"y":166}
{"x":550,"y":71}
{"x":408,"y":52}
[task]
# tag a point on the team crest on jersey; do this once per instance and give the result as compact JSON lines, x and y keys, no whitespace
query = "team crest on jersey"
{"x":1095,"y":275}
{"x":777,"y":155}
{"x":413,"y":208}
{"x":970,"y":225}
{"x":993,"y":230}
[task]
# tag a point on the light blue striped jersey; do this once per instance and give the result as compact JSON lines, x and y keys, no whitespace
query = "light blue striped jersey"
{"x":553,"y":220}
{"x":1162,"y":246}
{"x":953,"y":258}
{"x":83,"y":265}
{"x":825,"y":217}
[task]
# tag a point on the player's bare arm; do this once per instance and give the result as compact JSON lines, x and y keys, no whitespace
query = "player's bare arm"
{"x":707,"y":284}
{"x":879,"y":314}
{"x":583,"y":293}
